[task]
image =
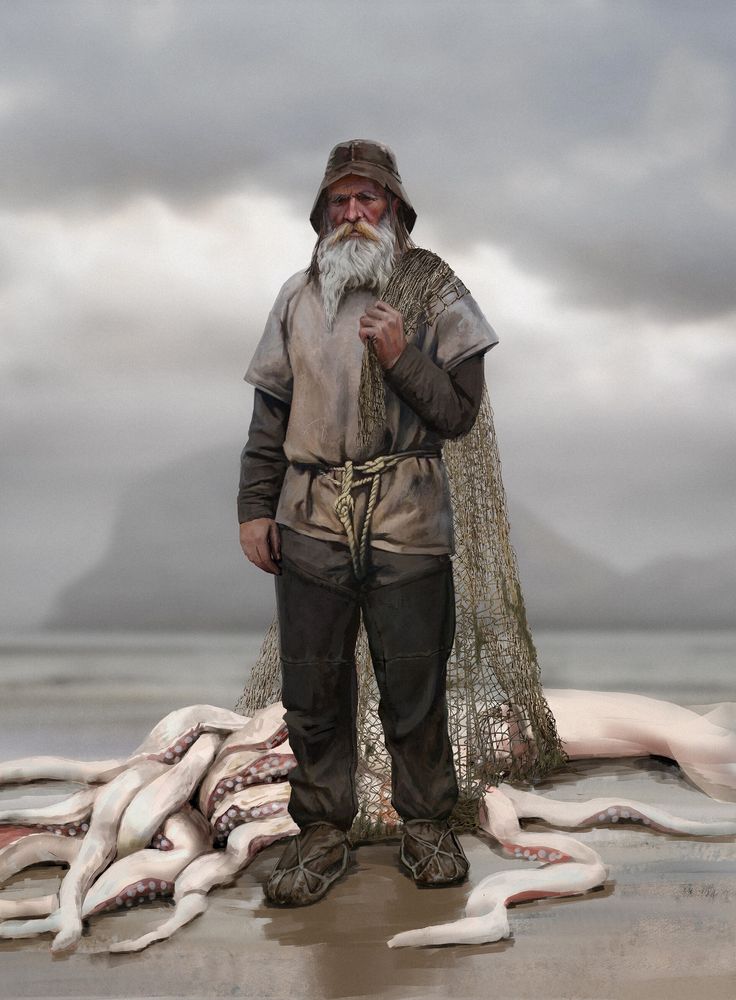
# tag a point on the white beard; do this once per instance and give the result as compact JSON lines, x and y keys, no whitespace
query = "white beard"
{"x":347,"y":262}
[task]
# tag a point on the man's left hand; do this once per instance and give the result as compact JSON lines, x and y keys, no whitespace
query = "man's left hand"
{"x":384,"y":327}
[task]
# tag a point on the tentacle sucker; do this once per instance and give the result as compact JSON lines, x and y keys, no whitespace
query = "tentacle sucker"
{"x":241,"y":769}
{"x":256,"y":802}
{"x":591,"y":812}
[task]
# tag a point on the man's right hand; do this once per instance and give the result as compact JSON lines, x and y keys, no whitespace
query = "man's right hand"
{"x":261,"y":543}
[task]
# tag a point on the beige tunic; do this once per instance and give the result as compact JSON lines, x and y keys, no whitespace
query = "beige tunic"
{"x":317,"y":371}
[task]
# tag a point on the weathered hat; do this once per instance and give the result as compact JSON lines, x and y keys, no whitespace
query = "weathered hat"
{"x":366,"y":159}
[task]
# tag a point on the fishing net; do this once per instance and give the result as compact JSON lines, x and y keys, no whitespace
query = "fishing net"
{"x":500,"y":724}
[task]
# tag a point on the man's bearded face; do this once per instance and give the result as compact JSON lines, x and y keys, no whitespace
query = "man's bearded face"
{"x":359,"y":249}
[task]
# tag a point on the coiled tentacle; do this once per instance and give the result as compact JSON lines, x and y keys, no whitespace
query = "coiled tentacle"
{"x":571,"y":869}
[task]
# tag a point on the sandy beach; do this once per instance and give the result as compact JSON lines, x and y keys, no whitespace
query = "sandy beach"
{"x":662,"y":926}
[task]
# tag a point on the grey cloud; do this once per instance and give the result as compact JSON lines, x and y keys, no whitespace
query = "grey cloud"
{"x":586,"y":138}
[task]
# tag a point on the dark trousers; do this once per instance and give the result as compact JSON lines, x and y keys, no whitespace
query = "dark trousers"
{"x":408,"y":607}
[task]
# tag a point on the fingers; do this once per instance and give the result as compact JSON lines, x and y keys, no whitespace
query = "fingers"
{"x":381,"y":311}
{"x":263,"y":559}
{"x":261,"y":543}
{"x":274,"y":538}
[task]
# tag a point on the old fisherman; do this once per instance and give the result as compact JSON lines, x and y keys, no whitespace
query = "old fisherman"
{"x":344,"y":497}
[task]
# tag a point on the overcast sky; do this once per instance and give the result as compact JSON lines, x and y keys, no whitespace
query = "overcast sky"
{"x":574,"y":161}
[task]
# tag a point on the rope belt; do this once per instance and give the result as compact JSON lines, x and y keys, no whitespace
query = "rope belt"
{"x":354,"y":476}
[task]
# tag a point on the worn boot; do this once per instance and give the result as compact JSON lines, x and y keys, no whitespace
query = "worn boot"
{"x":312,"y":861}
{"x":432,"y":854}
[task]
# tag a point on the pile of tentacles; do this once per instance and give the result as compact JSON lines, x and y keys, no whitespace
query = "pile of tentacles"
{"x":208,"y":789}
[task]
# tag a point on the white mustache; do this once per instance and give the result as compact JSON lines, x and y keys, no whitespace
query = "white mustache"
{"x":347,"y":229}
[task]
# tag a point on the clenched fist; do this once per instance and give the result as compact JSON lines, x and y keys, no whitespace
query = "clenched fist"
{"x":261,"y":543}
{"x":384,"y":327}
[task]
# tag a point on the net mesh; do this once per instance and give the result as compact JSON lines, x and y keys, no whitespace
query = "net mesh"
{"x":500,"y":724}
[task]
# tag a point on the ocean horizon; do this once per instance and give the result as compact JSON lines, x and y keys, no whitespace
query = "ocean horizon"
{"x":97,"y":694}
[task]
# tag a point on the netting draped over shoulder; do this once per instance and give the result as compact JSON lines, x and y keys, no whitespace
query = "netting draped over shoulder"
{"x":499,"y":721}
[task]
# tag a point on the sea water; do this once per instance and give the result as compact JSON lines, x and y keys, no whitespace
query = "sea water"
{"x":97,"y":695}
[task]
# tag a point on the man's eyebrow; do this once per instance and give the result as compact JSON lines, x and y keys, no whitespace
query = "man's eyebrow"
{"x":362,"y":192}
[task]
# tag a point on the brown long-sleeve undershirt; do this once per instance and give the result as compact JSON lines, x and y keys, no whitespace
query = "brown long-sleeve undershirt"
{"x":447,"y":402}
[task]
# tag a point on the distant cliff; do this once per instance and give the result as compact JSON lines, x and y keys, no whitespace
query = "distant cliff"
{"x":174,"y":563}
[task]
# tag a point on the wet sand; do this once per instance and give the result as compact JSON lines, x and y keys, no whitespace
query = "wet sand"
{"x":662,"y":926}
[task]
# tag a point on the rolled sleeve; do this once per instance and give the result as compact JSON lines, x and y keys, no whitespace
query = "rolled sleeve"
{"x":462,"y":331}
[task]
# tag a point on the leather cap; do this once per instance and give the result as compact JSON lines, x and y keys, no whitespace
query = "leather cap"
{"x":366,"y":159}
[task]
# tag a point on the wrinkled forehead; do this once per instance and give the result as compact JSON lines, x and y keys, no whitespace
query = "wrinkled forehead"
{"x":354,"y":184}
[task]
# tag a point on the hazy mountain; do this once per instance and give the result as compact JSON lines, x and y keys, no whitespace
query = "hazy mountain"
{"x":174,"y":563}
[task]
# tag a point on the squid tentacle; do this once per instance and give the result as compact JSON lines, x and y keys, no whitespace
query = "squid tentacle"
{"x":34,"y":849}
{"x":265,"y":730}
{"x":179,"y":728}
{"x":149,"y":873}
{"x":242,"y":769}
{"x":164,"y":795}
{"x":96,"y":852}
{"x":27,"y":769}
{"x":210,"y":870}
{"x":486,"y":919}
{"x":37,"y":906}
{"x":611,"y":810}
{"x":73,"y":809}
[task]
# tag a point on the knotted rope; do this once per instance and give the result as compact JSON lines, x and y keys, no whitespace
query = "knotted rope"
{"x":344,"y":506}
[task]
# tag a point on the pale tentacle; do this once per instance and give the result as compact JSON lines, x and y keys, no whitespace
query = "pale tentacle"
{"x":265,"y":730}
{"x":184,"y":912}
{"x":254,"y":803}
{"x":176,"y":727}
{"x":616,"y":724}
{"x":210,"y":870}
{"x":96,"y":852}
{"x":610,"y":810}
{"x":38,"y":906}
{"x":241,"y":769}
{"x":486,"y":919}
{"x":705,"y":749}
{"x":26,"y":769}
{"x":165,"y":795}
{"x":34,"y":849}
{"x":149,"y":873}
{"x":220,"y":867}
{"x":73,"y":809}
{"x":590,"y":724}
{"x":183,"y":726}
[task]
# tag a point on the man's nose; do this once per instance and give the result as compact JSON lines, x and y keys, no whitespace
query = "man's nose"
{"x":353,"y":209}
